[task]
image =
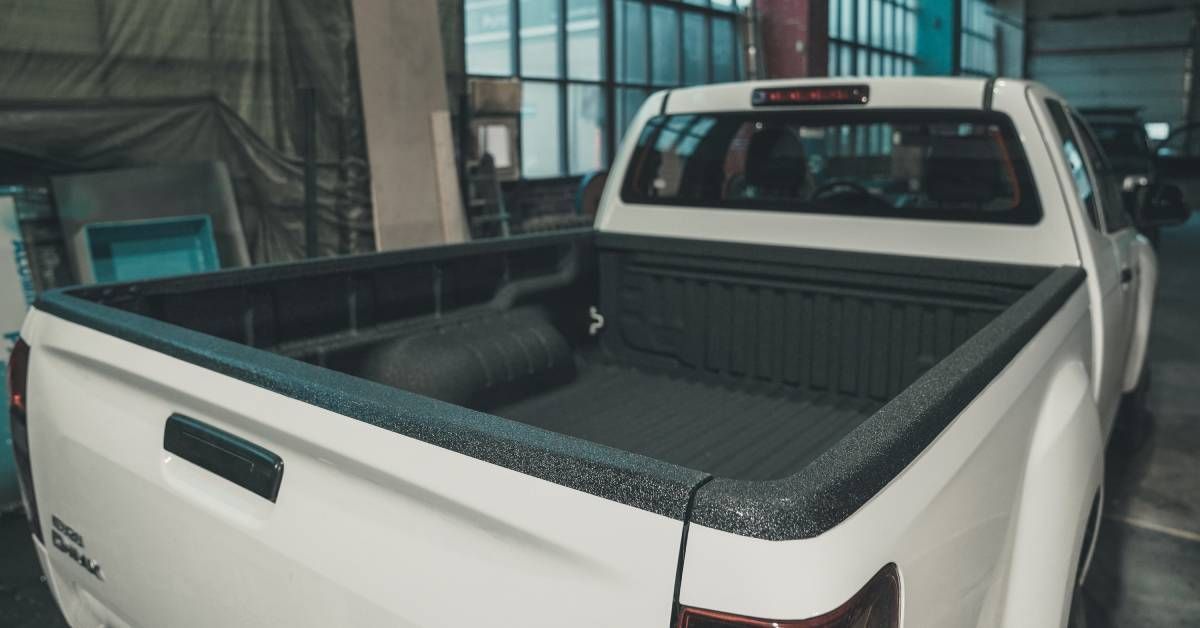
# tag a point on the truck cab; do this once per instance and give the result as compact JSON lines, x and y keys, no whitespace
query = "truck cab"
{"x":1082,"y":221}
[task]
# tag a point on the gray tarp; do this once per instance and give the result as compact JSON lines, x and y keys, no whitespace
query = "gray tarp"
{"x":99,"y":84}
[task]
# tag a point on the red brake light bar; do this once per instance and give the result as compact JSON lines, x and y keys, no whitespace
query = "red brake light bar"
{"x":799,"y":96}
{"x":876,"y":605}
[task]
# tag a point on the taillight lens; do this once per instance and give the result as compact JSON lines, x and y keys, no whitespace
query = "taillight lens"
{"x":18,"y":408}
{"x":18,"y":375}
{"x":876,"y":605}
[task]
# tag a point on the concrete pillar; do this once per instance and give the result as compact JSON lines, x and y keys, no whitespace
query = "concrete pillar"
{"x":414,"y":183}
{"x":795,"y":37}
{"x":454,"y":44}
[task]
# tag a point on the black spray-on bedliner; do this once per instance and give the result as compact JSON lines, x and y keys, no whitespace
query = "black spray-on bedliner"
{"x":732,"y":432}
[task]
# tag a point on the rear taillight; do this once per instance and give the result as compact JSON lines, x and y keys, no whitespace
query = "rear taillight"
{"x":18,"y":408}
{"x":877,"y":605}
{"x":18,"y":375}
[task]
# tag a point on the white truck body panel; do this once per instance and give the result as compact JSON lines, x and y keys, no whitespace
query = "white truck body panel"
{"x":950,"y":521}
{"x":364,"y":535}
{"x":1104,"y":256}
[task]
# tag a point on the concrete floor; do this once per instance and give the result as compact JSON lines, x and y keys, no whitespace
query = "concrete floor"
{"x":25,"y":601}
{"x":1146,"y":571}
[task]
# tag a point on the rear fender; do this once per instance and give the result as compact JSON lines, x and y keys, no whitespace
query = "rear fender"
{"x":1063,"y":473}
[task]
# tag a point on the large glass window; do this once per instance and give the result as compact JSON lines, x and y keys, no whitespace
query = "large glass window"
{"x":664,"y":32}
{"x":585,"y":50}
{"x":629,"y":99}
{"x":585,"y":127}
{"x":541,"y":129}
{"x":696,"y":50}
{"x":573,"y":110}
{"x":978,"y":55}
{"x":666,"y":43}
{"x":540,"y":37}
{"x":488,"y":36}
{"x":872,"y":37}
{"x":724,"y":51}
{"x":934,"y":165}
{"x":632,"y":38}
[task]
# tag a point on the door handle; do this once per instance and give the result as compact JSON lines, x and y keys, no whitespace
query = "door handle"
{"x":234,"y":458}
{"x":1126,"y":275}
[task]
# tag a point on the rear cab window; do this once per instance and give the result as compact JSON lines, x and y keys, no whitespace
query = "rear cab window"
{"x":925,"y":164}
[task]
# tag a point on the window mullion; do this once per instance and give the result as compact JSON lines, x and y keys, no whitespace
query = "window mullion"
{"x":563,"y":63}
{"x":564,"y":151}
{"x":679,"y":61}
{"x":514,"y":29}
{"x":708,"y":49}
{"x":648,"y":62}
{"x":609,"y":90}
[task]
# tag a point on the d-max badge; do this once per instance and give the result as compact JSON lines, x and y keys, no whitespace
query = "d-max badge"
{"x":66,"y":540}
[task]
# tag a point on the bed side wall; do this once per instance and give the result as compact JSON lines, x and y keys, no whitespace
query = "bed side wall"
{"x":838,"y":325}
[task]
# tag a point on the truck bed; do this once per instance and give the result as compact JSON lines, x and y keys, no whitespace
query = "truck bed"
{"x":750,"y":433}
{"x":744,"y":362}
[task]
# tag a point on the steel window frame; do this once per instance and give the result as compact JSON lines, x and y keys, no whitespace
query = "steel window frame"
{"x":608,"y":83}
{"x":971,"y":32}
{"x":900,"y":10}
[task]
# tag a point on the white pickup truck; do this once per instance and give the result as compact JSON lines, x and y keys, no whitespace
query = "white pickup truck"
{"x":837,"y":353}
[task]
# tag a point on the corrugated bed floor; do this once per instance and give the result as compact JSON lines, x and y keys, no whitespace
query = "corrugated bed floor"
{"x":734,"y":433}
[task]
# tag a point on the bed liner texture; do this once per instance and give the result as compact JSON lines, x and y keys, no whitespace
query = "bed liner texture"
{"x":742,"y":432}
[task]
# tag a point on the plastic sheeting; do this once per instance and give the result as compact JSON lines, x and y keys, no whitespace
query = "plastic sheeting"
{"x":98,"y":84}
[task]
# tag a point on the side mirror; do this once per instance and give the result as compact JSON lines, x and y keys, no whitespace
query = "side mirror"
{"x":1164,"y":206}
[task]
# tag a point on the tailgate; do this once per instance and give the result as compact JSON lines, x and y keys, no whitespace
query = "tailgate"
{"x":370,"y":527}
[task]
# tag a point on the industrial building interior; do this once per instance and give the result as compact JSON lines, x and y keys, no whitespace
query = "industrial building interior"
{"x":143,"y":139}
